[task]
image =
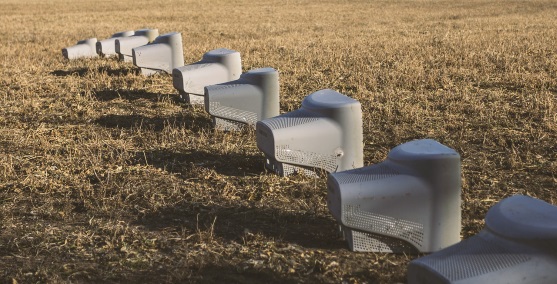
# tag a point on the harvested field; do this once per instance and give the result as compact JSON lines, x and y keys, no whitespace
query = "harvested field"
{"x":106,"y":177}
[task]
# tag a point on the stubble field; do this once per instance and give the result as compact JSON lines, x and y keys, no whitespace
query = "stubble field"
{"x":106,"y":177}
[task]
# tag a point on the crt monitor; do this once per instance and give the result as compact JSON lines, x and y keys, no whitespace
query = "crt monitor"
{"x":325,"y":134}
{"x":162,"y":55}
{"x":83,"y":49}
{"x":217,"y":66}
{"x":517,"y":245}
{"x":107,"y":47}
{"x":124,"y":45}
{"x":408,"y":203}
{"x":240,"y":103}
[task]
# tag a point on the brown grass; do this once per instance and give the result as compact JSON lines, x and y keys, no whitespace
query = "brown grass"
{"x":106,"y":177}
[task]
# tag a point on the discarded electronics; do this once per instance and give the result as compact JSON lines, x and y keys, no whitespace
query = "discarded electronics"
{"x":124,"y":45}
{"x":243,"y":102}
{"x":517,"y":245}
{"x":107,"y":47}
{"x":217,"y":66}
{"x":324,"y":134}
{"x":406,"y":204}
{"x":83,"y":49}
{"x":162,"y":55}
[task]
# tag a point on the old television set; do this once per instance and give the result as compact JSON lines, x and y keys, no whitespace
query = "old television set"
{"x":124,"y":45}
{"x":107,"y":47}
{"x":408,"y":203}
{"x":162,"y":55}
{"x":236,"y":104}
{"x":325,"y":134}
{"x":517,"y":245}
{"x":217,"y":66}
{"x":83,"y":49}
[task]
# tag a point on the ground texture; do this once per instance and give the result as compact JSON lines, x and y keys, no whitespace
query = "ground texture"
{"x":106,"y":177}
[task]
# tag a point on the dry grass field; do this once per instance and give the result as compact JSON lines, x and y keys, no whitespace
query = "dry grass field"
{"x":106,"y":177}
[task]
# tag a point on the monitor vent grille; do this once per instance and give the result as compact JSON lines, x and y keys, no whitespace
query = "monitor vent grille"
{"x":473,"y":257}
{"x":326,"y":162}
{"x":247,"y":117}
{"x":369,"y":242}
{"x":290,"y":119}
{"x":284,"y":169}
{"x":370,"y":173}
{"x":410,"y":231}
{"x":288,"y":169}
{"x":228,"y":125}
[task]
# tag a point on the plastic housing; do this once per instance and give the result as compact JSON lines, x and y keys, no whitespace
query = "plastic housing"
{"x":83,"y":49}
{"x":217,"y":66}
{"x":124,"y":45}
{"x":107,"y":47}
{"x":162,"y":55}
{"x":324,"y":134}
{"x":243,"y":102}
{"x":408,"y":203}
{"x":517,"y":245}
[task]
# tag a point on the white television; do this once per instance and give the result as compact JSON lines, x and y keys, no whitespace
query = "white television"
{"x":236,"y":104}
{"x":325,"y":134}
{"x":123,"y":46}
{"x":162,"y":55}
{"x":107,"y":47}
{"x":83,"y":49}
{"x":518,"y":245}
{"x":217,"y":66}
{"x":408,"y":203}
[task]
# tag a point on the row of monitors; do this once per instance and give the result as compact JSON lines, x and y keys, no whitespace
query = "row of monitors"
{"x":409,"y":203}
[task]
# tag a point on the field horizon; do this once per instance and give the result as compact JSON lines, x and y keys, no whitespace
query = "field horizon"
{"x":105,"y":176}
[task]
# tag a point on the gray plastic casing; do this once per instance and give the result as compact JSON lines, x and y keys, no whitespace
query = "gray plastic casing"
{"x":124,"y":46}
{"x":107,"y":47}
{"x":517,"y":245}
{"x":83,"y":49}
{"x":217,"y":66}
{"x":410,"y":202}
{"x":162,"y":55}
{"x":243,"y":102}
{"x":324,"y":134}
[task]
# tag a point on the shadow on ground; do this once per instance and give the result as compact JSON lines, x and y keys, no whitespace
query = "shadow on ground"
{"x":182,"y":163}
{"x":184,"y":119}
{"x":233,"y":274}
{"x":207,"y":273}
{"x":81,"y":72}
{"x":74,"y":72}
{"x":238,"y":223}
{"x":132,"y":95}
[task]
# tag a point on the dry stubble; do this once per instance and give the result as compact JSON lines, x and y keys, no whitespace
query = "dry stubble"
{"x":105,"y":177}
